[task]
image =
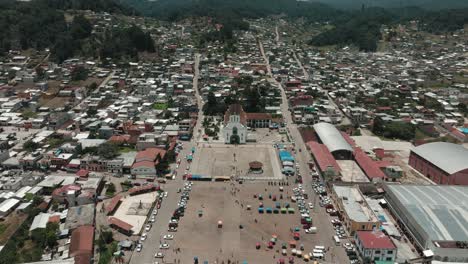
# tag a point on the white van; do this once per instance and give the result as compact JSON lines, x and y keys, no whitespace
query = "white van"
{"x":317,"y":255}
{"x":337,"y":240}
{"x":319,"y":251}
{"x":320,"y":248}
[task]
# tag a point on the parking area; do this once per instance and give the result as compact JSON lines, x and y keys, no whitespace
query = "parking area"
{"x":222,"y":222}
{"x":229,"y":160}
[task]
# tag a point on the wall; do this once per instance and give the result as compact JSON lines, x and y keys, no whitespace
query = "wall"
{"x":435,"y":174}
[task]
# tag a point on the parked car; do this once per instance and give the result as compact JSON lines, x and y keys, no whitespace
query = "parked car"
{"x":168,"y":237}
{"x":164,"y":246}
{"x":159,"y":255}
{"x":139,"y":247}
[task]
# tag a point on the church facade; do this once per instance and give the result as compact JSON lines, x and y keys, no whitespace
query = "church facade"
{"x":235,"y":125}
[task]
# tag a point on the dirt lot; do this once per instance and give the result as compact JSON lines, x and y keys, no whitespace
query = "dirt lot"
{"x":229,"y":160}
{"x":9,"y":226}
{"x":200,"y":236}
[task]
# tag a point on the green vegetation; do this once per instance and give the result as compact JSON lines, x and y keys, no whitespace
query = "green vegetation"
{"x":126,"y":43}
{"x":126,"y":149}
{"x":361,"y":30}
{"x":41,"y":24}
{"x":394,"y":129}
{"x":23,"y":248}
{"x":110,"y":191}
{"x":106,"y":246}
{"x":179,"y":9}
{"x":29,"y":114}
{"x":126,"y":185}
{"x":30,"y":146}
{"x":160,"y":106}
{"x":79,"y":73}
{"x":3,"y":227}
{"x":106,"y":150}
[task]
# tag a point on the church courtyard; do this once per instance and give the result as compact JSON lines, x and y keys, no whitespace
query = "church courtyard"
{"x":230,"y":160}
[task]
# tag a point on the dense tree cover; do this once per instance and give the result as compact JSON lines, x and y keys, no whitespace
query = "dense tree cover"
{"x":41,"y":24}
{"x":126,"y":43}
{"x":395,"y":129}
{"x":445,"y":20}
{"x":109,"y":6}
{"x":178,"y":9}
{"x":361,"y":29}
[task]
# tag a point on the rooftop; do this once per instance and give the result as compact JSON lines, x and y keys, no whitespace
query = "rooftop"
{"x":354,"y":204}
{"x":375,"y":240}
{"x":437,"y":154}
{"x":332,"y":137}
{"x":441,"y":211}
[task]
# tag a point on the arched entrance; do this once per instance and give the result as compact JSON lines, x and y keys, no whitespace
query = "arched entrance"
{"x":234,"y":139}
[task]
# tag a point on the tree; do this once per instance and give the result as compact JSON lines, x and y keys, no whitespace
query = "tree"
{"x":107,"y":236}
{"x":80,"y":28}
{"x":108,"y":150}
{"x":91,"y":112}
{"x":30,"y":146}
{"x":110,"y":189}
{"x":79,"y":73}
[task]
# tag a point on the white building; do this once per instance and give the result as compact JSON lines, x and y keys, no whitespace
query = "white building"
{"x":235,"y":128}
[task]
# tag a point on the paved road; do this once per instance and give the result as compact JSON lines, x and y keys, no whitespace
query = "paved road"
{"x":169,"y":204}
{"x":321,"y":219}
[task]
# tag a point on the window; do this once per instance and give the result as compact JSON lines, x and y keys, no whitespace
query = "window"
{"x":389,"y":259}
{"x":376,"y":258}
{"x":377,"y":252}
{"x":363,"y":227}
{"x":390,"y":252}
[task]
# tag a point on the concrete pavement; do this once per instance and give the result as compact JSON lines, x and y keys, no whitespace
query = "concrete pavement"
{"x":321,"y":219}
{"x":169,"y":204}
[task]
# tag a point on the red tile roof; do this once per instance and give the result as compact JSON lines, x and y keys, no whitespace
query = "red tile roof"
{"x":375,"y":240}
{"x":235,"y":109}
{"x":370,"y":167}
{"x":348,"y":139}
{"x":119,"y":223}
{"x":82,"y":173}
{"x":140,"y":189}
{"x":323,"y":156}
{"x":81,"y":244}
{"x":258,"y":116}
{"x":145,"y":163}
{"x":113,"y":203}
{"x":64,"y":189}
{"x":54,"y":219}
{"x":119,"y":138}
{"x":150,"y":154}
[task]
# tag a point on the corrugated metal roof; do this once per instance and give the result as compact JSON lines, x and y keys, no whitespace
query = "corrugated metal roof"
{"x":441,"y":211}
{"x":449,"y":157}
{"x":331,"y":137}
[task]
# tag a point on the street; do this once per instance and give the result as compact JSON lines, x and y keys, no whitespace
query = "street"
{"x":169,"y":204}
{"x":321,"y":219}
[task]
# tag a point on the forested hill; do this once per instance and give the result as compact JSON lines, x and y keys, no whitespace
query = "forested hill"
{"x":425,"y":4}
{"x":41,"y":24}
{"x":177,"y":9}
{"x":110,"y":6}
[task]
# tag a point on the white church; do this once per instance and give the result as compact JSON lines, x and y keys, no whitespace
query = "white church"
{"x":235,"y":125}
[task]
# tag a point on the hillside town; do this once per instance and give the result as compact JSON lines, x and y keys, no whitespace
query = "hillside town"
{"x":266,"y":150}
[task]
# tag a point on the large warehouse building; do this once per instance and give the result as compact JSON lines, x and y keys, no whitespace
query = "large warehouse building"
{"x":443,"y":163}
{"x":434,"y":217}
{"x":331,"y":137}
